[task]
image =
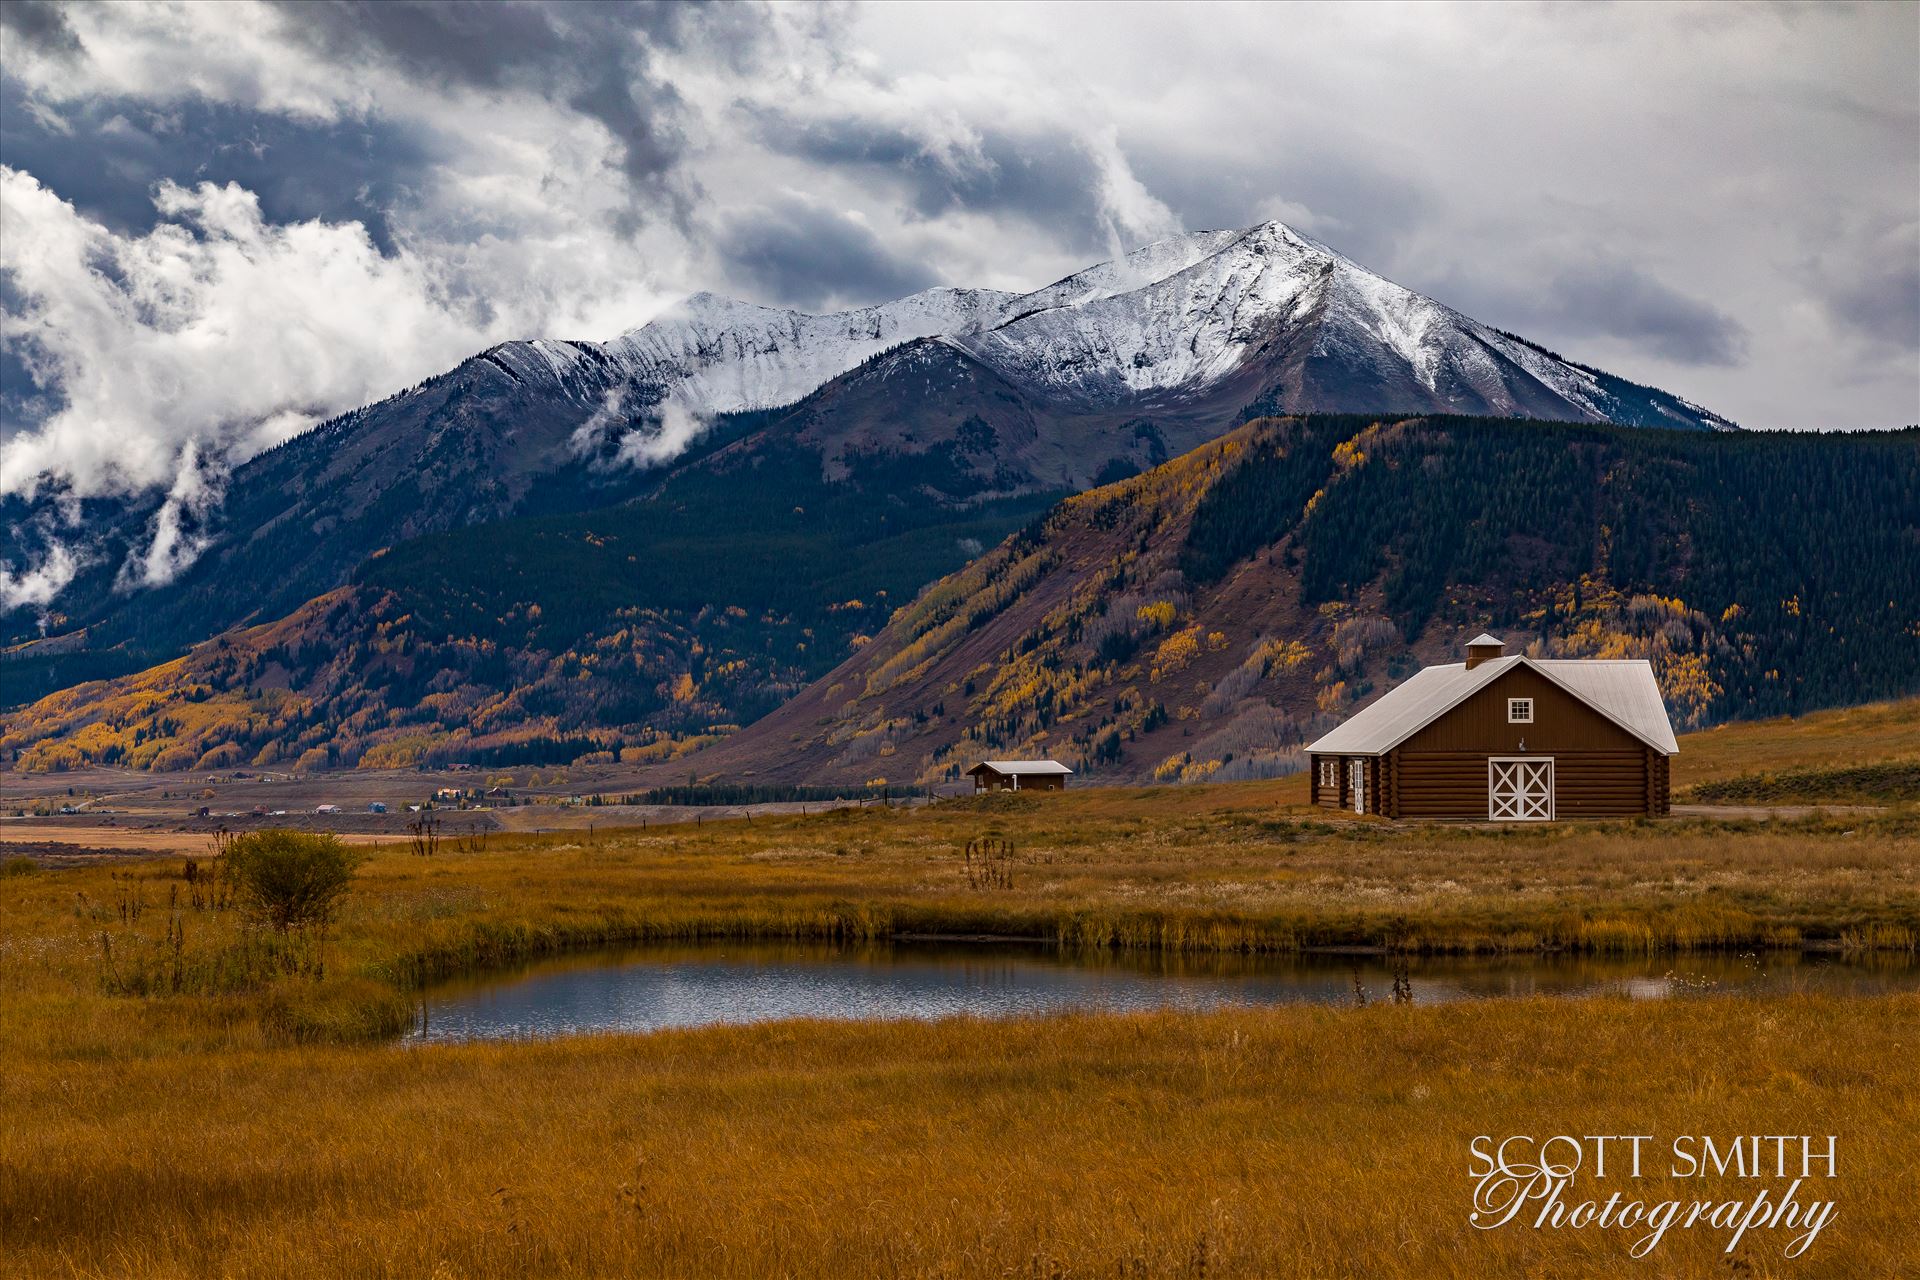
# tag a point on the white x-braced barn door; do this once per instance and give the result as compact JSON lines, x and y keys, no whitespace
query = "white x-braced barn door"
{"x":1520,"y":790}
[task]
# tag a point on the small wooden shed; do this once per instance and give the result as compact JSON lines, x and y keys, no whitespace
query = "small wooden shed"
{"x":1506,"y":739}
{"x":1019,"y":775}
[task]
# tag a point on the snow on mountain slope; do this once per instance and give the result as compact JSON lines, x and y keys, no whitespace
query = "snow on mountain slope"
{"x":1446,"y":351}
{"x":1187,"y":314}
{"x":1187,"y":328}
{"x":720,"y":355}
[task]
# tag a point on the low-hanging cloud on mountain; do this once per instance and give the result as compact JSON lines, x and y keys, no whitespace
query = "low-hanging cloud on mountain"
{"x":613,"y":437}
{"x":679,"y":427}
{"x":169,"y":355}
{"x":178,"y":533}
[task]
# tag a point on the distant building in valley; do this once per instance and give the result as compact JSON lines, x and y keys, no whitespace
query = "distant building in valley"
{"x":1506,"y":739}
{"x":1019,"y":775}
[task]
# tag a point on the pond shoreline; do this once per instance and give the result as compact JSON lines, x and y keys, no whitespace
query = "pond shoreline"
{"x":512,"y":945}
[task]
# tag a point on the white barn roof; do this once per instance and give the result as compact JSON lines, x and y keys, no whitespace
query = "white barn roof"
{"x":1622,"y":690}
{"x":1027,"y":767}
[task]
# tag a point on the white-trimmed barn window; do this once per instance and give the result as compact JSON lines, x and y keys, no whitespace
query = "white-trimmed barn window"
{"x":1519,"y":710}
{"x":1329,"y":773}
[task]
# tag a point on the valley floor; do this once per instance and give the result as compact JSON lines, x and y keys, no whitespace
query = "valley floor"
{"x":172,"y":1103}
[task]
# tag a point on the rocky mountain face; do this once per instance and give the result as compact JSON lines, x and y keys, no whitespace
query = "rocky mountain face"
{"x":1199,"y":620}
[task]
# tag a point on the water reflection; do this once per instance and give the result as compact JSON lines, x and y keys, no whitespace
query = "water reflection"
{"x":645,"y":989}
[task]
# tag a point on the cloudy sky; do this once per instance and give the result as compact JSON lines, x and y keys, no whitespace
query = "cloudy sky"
{"x":220,"y":223}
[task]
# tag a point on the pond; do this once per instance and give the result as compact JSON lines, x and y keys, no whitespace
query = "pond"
{"x":653,"y":987}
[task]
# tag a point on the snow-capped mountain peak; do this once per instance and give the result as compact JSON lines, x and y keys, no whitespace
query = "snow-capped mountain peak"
{"x":1264,"y":311}
{"x":1277,"y":311}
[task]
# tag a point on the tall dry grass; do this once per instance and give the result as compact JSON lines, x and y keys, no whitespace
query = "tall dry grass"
{"x":1294,"y":1141}
{"x":1871,"y":733}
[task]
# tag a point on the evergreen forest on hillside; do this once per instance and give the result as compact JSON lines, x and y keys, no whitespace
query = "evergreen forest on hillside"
{"x":1802,"y":549}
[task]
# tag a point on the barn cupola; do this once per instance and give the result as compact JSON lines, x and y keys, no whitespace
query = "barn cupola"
{"x":1484,"y":647}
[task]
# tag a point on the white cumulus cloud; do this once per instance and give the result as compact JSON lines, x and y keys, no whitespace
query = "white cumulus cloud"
{"x":215,"y":331}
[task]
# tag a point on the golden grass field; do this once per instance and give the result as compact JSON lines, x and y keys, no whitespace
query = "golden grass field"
{"x":1876,"y":732}
{"x":1293,"y":1141}
{"x":230,"y":1122}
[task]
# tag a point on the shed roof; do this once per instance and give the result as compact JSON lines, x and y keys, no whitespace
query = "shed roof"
{"x":1022,"y":766}
{"x":1622,"y":690}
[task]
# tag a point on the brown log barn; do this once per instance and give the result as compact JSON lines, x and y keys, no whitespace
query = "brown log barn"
{"x":1019,"y":775}
{"x":1505,"y":739}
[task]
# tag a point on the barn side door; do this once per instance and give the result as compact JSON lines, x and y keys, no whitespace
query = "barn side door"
{"x":1520,"y":789}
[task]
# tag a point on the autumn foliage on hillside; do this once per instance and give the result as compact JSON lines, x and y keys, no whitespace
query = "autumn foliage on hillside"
{"x":1204,"y":620}
{"x":347,"y":681}
{"x":640,"y":631}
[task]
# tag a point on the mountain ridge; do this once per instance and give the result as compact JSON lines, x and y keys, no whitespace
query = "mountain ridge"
{"x":1200,"y":619}
{"x":1106,"y":371}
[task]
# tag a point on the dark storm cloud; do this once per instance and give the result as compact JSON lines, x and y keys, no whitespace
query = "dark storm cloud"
{"x":112,"y":151}
{"x":840,"y":141}
{"x":1881,"y":304}
{"x":38,"y":25}
{"x":1869,"y":283}
{"x":1046,"y":178}
{"x":1618,"y":300}
{"x":1607,"y":297}
{"x":488,"y":46}
{"x":800,"y":254}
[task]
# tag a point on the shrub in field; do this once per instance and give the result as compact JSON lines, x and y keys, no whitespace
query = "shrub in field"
{"x":20,"y":865}
{"x":989,"y":863}
{"x":291,"y":878}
